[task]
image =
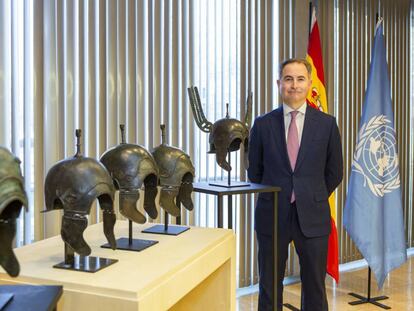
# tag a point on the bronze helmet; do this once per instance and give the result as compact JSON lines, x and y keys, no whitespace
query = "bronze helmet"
{"x":73,"y":184}
{"x":176,"y":172}
{"x":132,"y":166}
{"x":227,"y":134}
{"x":12,"y":198}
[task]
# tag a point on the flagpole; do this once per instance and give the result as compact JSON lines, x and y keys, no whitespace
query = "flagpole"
{"x":368,"y":299}
{"x":310,"y":17}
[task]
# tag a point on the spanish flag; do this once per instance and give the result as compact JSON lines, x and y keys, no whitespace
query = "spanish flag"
{"x":317,"y":99}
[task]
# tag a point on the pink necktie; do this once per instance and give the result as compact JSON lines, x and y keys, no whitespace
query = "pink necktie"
{"x":293,"y":145}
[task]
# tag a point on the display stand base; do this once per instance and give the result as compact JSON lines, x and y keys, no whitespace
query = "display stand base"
{"x":290,"y":307}
{"x":368,"y":299}
{"x":170,"y":230}
{"x":225,"y":184}
{"x":31,"y":297}
{"x":5,"y":299}
{"x":137,"y":245}
{"x":86,"y":264}
{"x":371,"y":300}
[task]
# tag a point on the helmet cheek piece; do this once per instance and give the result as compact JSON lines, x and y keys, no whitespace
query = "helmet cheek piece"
{"x":151,"y":191}
{"x":128,"y":206}
{"x":184,"y":193}
{"x":74,"y":224}
{"x":167,"y":196}
{"x":221,"y":149}
{"x":246,"y":145}
{"x":8,"y":259}
{"x":246,"y":153}
{"x":221,"y":154}
{"x":109,"y":218}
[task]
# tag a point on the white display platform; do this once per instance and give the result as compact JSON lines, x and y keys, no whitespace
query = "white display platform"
{"x":195,"y":270}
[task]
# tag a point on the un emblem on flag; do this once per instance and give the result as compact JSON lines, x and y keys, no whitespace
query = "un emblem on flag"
{"x":376,"y":157}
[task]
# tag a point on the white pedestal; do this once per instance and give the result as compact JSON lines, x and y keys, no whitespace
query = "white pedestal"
{"x":192,"y":271}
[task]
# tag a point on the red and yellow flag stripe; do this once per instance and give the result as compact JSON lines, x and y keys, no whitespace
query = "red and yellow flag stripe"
{"x":317,"y":99}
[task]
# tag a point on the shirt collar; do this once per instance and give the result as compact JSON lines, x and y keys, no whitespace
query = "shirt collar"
{"x":287,"y":109}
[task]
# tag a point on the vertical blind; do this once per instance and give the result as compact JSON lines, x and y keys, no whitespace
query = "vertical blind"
{"x":99,"y":64}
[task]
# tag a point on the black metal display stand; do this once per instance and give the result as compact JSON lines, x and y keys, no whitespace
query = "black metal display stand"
{"x":131,"y":244}
{"x":220,"y":192}
{"x":250,"y":188}
{"x":369,"y":299}
{"x":165,"y":228}
{"x":83,"y":263}
{"x":290,"y":307}
{"x":31,"y":297}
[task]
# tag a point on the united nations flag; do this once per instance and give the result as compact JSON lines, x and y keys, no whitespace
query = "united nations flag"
{"x":373,"y":214}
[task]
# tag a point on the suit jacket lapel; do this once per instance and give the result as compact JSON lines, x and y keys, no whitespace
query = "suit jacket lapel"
{"x":280,"y":135}
{"x":310,"y":126}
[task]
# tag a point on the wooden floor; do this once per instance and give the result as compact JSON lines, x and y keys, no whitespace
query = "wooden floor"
{"x":399,"y":287}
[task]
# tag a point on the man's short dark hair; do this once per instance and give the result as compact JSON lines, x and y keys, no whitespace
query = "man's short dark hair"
{"x":295,"y":60}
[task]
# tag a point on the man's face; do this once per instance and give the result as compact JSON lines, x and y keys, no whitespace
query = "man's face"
{"x":294,"y":84}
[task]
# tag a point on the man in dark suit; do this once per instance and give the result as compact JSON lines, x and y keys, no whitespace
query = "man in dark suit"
{"x":297,"y":148}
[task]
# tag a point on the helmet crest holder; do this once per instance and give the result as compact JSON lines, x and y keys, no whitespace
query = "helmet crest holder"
{"x":225,"y":135}
{"x":176,"y":181}
{"x":115,"y":159}
{"x":74,"y":220}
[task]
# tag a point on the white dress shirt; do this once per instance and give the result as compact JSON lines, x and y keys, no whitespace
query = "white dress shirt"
{"x":300,"y":119}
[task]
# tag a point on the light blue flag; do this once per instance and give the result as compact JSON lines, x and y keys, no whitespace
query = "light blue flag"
{"x":373,"y":214}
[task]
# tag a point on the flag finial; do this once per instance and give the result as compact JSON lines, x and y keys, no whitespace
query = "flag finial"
{"x":379,"y":20}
